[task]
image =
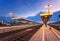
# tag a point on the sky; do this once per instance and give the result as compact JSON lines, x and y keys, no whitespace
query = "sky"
{"x":26,"y":8}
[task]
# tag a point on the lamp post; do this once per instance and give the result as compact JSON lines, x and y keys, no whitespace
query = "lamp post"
{"x":48,"y":7}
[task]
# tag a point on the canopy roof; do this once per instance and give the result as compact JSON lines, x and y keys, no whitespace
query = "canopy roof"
{"x":17,"y":18}
{"x":46,"y":14}
{"x":21,"y":19}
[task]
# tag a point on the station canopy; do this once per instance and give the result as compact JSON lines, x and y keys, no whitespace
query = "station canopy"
{"x":46,"y":16}
{"x":21,"y":19}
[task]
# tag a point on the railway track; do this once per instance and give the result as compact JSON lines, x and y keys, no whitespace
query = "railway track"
{"x":35,"y":33}
{"x":20,"y":35}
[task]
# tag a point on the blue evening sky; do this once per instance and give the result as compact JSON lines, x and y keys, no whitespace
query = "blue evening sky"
{"x":26,"y":8}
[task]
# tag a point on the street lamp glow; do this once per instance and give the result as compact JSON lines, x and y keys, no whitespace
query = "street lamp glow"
{"x":47,"y":6}
{"x":10,"y":14}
